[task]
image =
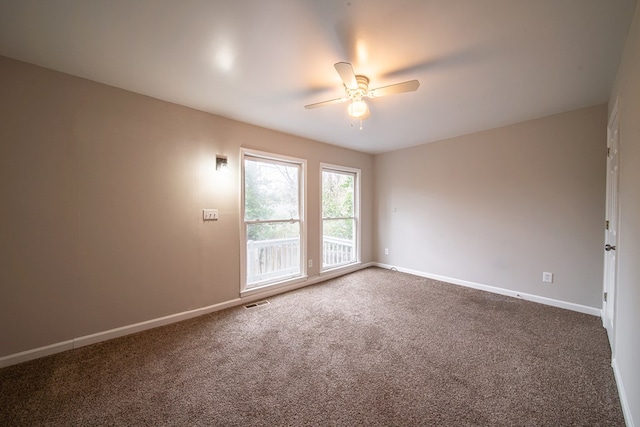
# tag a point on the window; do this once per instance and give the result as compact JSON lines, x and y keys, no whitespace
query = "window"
{"x":272,"y":219}
{"x":340,"y":225}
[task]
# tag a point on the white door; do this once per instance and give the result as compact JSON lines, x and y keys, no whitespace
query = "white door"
{"x":611,"y":227}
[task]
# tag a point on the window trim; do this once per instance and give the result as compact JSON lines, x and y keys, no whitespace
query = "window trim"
{"x":302,"y":194}
{"x":356,"y":212}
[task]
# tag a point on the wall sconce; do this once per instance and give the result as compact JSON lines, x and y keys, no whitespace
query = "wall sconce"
{"x":221,"y":164}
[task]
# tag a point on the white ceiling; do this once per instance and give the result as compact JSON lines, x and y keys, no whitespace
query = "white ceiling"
{"x":481,"y":63}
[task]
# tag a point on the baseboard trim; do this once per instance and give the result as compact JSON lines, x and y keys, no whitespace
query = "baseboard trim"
{"x":528,"y":297}
{"x":36,"y":353}
{"x":85,"y":340}
{"x":150,"y":324}
{"x":624,"y":402}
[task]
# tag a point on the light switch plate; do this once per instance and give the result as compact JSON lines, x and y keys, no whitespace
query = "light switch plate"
{"x":210,"y":214}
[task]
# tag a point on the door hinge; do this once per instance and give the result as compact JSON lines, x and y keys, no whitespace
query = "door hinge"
{"x":608,"y":152}
{"x":605,"y":297}
{"x":606,"y":224}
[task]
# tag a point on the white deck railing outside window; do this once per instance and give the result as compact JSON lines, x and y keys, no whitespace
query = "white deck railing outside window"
{"x":269,"y":259}
{"x":337,"y":252}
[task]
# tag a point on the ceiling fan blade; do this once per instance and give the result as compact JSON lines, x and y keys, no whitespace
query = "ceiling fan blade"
{"x":323,"y":103}
{"x":408,"y":86}
{"x":347,"y":74}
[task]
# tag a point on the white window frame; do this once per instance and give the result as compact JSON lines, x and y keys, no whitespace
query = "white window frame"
{"x":302,"y":200}
{"x":356,"y":212}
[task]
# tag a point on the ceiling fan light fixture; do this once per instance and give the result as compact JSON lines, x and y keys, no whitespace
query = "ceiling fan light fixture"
{"x":357,"y":108}
{"x":356,"y":88}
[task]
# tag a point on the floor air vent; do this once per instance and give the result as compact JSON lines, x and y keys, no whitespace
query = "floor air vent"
{"x":256,"y":304}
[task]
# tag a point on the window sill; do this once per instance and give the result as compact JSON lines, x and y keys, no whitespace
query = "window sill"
{"x":339,"y":268}
{"x":273,"y":286}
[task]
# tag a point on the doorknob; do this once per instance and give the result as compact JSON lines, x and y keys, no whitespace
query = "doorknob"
{"x":609,"y":248}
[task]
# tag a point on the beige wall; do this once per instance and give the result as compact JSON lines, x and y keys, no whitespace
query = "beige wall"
{"x":102,"y":196}
{"x":102,"y":191}
{"x":499,"y":207}
{"x":626,"y":346}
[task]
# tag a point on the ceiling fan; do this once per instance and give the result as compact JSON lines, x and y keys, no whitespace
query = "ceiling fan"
{"x":357,"y":88}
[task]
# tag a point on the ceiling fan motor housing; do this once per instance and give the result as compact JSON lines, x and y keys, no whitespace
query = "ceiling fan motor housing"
{"x":362,"y":89}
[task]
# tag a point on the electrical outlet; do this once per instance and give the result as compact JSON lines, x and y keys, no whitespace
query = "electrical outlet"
{"x":210,"y":214}
{"x":547,"y":277}
{"x":310,"y":263}
{"x":386,"y":251}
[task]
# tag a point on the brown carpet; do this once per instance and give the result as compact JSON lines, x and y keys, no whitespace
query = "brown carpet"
{"x":375,"y":347}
